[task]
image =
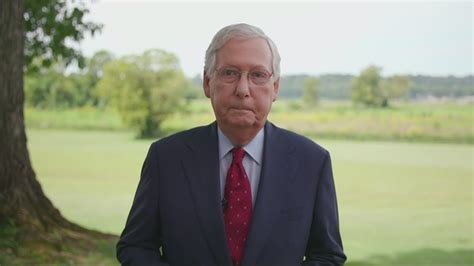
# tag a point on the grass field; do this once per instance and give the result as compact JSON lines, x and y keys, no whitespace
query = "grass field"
{"x":400,"y":203}
{"x":427,"y":122}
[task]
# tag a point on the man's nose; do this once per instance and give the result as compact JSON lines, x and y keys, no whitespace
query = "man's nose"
{"x":243,"y":89}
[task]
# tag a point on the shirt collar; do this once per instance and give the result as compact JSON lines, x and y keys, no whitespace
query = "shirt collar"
{"x":254,"y":148}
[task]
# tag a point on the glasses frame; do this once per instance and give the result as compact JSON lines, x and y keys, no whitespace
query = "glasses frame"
{"x":217,"y":70}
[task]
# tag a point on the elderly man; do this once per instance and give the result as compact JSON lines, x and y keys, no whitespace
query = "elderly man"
{"x":239,"y":191}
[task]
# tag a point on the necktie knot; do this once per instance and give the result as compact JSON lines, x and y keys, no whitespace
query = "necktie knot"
{"x":238,"y":155}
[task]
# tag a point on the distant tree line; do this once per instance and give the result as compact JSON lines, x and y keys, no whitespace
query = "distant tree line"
{"x":338,"y":86}
{"x":51,"y":88}
{"x":342,"y":87}
{"x":146,"y":88}
{"x":449,"y":86}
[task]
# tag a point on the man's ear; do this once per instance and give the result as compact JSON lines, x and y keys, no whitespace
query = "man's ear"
{"x":205,"y":84}
{"x":276,"y":87}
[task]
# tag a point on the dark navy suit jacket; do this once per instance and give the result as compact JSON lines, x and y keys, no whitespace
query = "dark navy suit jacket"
{"x":177,"y":218}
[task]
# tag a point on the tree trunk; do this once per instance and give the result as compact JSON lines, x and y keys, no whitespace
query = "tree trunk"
{"x":22,"y":201}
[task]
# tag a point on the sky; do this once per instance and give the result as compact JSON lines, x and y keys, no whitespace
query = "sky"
{"x":427,"y":38}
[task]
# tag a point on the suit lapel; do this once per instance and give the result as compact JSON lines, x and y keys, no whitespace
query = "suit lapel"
{"x":277,"y":168}
{"x":201,"y":167}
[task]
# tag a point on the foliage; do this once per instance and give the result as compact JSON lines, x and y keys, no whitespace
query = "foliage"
{"x":196,"y":91}
{"x":145,"y":89}
{"x":366,"y":87}
{"x":50,"y":88}
{"x":370,"y":89}
{"x":331,"y":86}
{"x":395,"y":86}
{"x":96,"y":63}
{"x":92,"y":74}
{"x":52,"y":28}
{"x":338,"y":86}
{"x":291,"y":87}
{"x":311,"y":91}
{"x":448,"y":86}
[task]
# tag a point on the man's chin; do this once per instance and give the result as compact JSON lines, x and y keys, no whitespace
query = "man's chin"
{"x":241,"y":122}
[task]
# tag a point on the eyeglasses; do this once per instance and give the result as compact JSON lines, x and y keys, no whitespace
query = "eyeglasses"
{"x":232,"y":74}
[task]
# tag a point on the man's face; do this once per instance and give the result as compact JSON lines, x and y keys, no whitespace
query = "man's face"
{"x":242,"y":104}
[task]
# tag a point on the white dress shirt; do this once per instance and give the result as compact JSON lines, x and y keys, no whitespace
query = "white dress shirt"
{"x":252,"y":160}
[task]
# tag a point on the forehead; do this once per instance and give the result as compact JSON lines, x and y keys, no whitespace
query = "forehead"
{"x":245,"y":53}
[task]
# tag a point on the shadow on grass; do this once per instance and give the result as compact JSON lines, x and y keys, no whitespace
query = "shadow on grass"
{"x":430,"y":256}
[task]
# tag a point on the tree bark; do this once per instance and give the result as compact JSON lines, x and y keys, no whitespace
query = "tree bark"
{"x":22,"y":201}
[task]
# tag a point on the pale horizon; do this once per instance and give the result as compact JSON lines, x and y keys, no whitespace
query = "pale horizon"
{"x":314,"y":38}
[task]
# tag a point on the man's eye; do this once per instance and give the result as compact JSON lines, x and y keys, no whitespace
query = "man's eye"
{"x":230,"y":72}
{"x":259,"y":74}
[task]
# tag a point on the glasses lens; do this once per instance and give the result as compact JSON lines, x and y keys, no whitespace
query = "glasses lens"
{"x":259,"y":76}
{"x":228,"y":74}
{"x":231,"y":75}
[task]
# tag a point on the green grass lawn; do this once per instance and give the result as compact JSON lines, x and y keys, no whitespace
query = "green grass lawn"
{"x":400,"y":203}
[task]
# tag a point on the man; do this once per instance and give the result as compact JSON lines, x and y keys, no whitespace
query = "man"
{"x":239,"y":191}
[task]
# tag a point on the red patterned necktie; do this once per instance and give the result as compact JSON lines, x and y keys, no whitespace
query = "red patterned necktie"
{"x":238,"y":209}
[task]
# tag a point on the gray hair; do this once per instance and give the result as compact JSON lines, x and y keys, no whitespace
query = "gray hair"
{"x":239,"y":31}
